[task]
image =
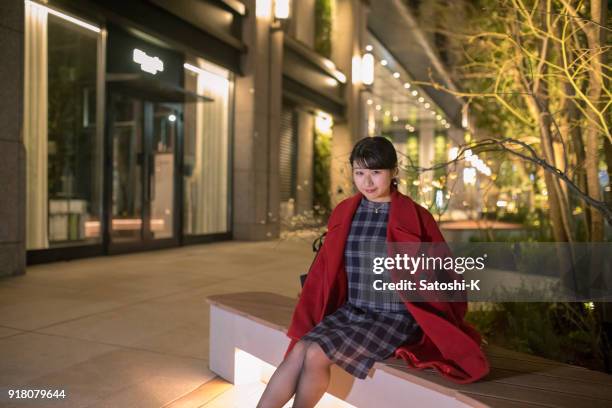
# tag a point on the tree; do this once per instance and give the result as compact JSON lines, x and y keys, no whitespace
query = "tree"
{"x":536,"y":68}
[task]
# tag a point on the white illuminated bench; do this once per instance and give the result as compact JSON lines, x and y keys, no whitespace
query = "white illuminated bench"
{"x":247,"y":342}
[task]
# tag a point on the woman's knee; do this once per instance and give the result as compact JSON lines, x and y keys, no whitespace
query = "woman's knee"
{"x":315,"y":356}
{"x":298,"y":351}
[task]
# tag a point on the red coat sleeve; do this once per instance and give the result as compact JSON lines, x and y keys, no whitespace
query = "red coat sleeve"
{"x":309,"y":309}
{"x":319,"y":297}
{"x":450,"y":345}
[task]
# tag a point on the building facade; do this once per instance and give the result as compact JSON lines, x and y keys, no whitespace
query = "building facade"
{"x":139,"y":125}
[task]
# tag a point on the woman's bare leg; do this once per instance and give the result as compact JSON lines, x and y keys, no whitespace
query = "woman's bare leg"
{"x":283,"y":382}
{"x":314,"y":380}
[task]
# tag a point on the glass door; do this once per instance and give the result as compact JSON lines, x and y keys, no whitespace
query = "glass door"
{"x":128,"y":162}
{"x":142,"y":142}
{"x":162,"y":176}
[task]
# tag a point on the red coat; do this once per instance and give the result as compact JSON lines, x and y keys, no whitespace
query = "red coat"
{"x":449,"y":344}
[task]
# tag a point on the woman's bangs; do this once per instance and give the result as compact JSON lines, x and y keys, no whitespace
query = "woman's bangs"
{"x":368,"y":160}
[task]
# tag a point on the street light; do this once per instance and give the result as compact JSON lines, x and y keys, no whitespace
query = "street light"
{"x":282,"y":9}
{"x":367,"y":69}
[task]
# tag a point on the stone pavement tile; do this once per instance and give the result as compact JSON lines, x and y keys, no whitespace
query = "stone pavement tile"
{"x":7,"y":331}
{"x":279,"y":276}
{"x":121,"y":326}
{"x":123,"y":376}
{"x":54,"y":275}
{"x":127,"y":292}
{"x":239,"y":396}
{"x":15,"y":290}
{"x":188,"y":307}
{"x":290,"y":288}
{"x":33,"y":308}
{"x":231,"y":286}
{"x":189,"y":340}
{"x":30,"y":355}
{"x":30,"y":308}
{"x":157,"y":391}
{"x":203,"y":395}
{"x":285,"y":288}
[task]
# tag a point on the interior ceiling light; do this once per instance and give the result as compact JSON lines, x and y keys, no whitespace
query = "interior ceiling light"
{"x":64,"y":16}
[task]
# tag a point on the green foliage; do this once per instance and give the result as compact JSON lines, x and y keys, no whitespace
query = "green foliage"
{"x":321,"y":176}
{"x":323,"y":27}
{"x":561,"y":331}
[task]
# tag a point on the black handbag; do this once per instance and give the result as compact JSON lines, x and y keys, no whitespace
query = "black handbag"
{"x":316,"y":246}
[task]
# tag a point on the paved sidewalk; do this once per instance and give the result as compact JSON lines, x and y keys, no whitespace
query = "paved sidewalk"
{"x":130,"y":330}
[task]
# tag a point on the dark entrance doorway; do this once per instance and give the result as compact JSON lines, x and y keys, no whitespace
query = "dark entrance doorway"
{"x":143,"y":140}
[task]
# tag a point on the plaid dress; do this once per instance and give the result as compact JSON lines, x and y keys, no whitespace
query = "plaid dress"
{"x":364,"y":330}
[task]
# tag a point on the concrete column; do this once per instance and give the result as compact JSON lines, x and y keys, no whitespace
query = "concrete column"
{"x":348,"y":34}
{"x":426,"y":146}
{"x":256,"y":128}
{"x":455,"y":136}
{"x":305,"y":152}
{"x":12,"y":151}
{"x":303,"y":16}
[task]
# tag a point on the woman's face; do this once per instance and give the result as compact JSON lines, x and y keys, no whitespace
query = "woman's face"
{"x":374,"y":184}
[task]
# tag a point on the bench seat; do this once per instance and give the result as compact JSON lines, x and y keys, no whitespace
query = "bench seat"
{"x":254,"y":324}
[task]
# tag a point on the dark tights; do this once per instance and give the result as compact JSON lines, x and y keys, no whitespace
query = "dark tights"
{"x":304,"y":372}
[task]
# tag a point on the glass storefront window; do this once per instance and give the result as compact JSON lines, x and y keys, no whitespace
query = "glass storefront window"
{"x":61,"y":131}
{"x":206,"y":150}
{"x":162,"y":185}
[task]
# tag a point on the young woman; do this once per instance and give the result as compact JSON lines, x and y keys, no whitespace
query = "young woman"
{"x":335,"y":322}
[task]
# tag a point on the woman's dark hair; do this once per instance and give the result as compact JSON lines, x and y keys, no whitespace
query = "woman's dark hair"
{"x":374,"y":153}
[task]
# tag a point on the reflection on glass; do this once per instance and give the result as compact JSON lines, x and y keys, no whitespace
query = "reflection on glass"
{"x":206,"y":156}
{"x":73,"y":170}
{"x":165,"y":121}
{"x":127,"y":146}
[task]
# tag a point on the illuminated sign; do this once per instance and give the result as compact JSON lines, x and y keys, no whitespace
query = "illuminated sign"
{"x":149,"y":64}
